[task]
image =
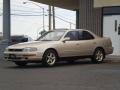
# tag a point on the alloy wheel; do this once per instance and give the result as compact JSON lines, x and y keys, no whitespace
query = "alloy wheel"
{"x":50,"y":58}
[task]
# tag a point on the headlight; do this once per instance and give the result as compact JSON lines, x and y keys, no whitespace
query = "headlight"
{"x":29,"y":49}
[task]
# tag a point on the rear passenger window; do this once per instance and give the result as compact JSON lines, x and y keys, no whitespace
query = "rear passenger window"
{"x":84,"y":35}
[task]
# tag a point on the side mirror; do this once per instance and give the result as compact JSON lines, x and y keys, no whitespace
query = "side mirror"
{"x":66,"y":39}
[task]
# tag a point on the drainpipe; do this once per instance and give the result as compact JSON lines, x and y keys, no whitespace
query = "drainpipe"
{"x":6,"y":21}
{"x":6,"y":27}
{"x":49,"y":17}
{"x":53,"y":11}
{"x":77,"y":19}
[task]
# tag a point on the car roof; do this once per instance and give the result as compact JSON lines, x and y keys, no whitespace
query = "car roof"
{"x":67,"y":30}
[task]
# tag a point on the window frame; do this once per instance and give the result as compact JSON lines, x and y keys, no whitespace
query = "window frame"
{"x":90,"y":35}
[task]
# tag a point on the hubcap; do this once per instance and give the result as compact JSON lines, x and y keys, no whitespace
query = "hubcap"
{"x":99,"y":55}
{"x":51,"y":58}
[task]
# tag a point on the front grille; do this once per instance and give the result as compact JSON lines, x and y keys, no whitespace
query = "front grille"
{"x":15,"y":50}
{"x":11,"y":56}
{"x":14,"y":58}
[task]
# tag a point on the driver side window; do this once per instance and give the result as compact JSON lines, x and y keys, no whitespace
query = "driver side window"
{"x":73,"y":35}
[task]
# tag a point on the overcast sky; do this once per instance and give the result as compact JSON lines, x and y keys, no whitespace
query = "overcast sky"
{"x":26,"y":19}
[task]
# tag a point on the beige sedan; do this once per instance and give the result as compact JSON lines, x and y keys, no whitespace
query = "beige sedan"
{"x":60,"y":45}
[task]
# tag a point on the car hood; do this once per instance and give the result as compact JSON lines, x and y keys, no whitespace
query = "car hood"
{"x":32,"y":44}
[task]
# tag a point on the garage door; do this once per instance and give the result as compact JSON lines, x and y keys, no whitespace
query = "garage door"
{"x":111,"y":28}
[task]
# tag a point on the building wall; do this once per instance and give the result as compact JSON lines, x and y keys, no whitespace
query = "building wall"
{"x":105,"y":3}
{"x":90,"y":17}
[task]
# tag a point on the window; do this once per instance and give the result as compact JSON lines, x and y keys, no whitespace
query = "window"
{"x":73,"y":35}
{"x":52,"y":36}
{"x":80,"y":35}
{"x":84,"y":35}
{"x":87,"y":36}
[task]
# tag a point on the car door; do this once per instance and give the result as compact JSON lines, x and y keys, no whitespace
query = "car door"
{"x":86,"y":43}
{"x":70,"y":48}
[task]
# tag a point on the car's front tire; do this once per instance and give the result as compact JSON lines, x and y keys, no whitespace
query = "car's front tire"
{"x":20,"y":63}
{"x":98,"y":56}
{"x":49,"y":58}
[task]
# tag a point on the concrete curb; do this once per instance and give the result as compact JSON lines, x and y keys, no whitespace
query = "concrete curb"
{"x":112,"y":58}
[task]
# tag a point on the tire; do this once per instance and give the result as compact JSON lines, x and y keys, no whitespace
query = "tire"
{"x":98,"y":56}
{"x":49,"y":58}
{"x":20,"y":63}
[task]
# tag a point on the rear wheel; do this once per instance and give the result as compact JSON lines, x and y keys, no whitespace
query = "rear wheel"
{"x":98,"y":56}
{"x":20,"y":63}
{"x":49,"y":58}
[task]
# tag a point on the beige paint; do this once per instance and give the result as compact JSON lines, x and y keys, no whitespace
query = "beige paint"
{"x":63,"y":48}
{"x":67,"y":4}
{"x":106,"y":3}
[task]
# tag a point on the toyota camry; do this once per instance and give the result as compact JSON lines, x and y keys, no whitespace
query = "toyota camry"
{"x":56,"y":45}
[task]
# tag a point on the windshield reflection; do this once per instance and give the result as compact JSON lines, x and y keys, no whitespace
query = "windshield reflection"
{"x":51,"y":36}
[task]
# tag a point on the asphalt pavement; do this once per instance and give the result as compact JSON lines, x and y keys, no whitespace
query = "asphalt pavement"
{"x":81,"y":75}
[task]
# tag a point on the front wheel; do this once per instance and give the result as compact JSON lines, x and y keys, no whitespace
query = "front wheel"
{"x":98,"y":56}
{"x":49,"y":58}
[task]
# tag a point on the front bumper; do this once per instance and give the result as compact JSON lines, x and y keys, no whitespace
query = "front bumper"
{"x":15,"y":56}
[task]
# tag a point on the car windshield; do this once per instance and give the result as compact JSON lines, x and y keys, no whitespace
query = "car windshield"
{"x":51,"y":36}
